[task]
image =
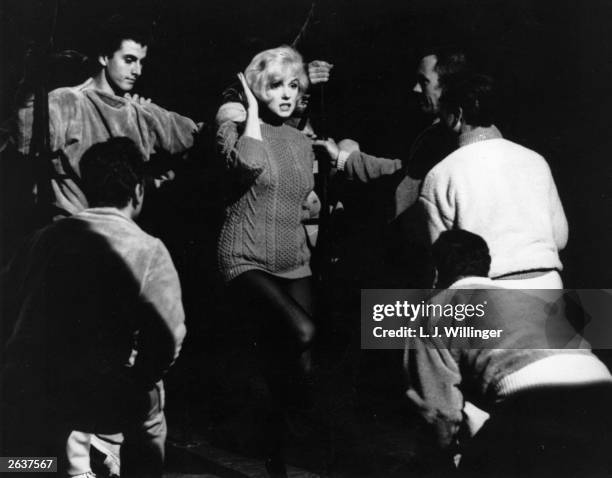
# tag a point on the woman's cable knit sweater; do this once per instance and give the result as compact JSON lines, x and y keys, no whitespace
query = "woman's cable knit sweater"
{"x":503,"y":192}
{"x":263,"y":227}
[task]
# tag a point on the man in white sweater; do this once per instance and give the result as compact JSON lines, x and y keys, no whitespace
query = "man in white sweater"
{"x":497,"y":189}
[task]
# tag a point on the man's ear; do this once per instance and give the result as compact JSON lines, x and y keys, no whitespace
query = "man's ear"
{"x":139,"y":194}
{"x":103,"y":60}
{"x":458,"y":119}
{"x":140,"y":187}
{"x":460,"y":113}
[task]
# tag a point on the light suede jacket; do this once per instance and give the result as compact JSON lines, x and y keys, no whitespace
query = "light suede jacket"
{"x":83,"y":294}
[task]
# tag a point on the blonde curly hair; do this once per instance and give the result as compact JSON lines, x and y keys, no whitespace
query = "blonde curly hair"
{"x":270,"y":65}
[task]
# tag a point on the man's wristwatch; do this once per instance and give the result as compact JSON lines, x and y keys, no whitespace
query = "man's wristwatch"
{"x":341,"y":159}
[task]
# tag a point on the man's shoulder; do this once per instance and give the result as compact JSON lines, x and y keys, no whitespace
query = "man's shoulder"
{"x":505,"y":143}
{"x":477,"y":152}
{"x":109,"y":221}
{"x":443,"y":169}
{"x":68,"y":100}
{"x":87,"y":91}
{"x":506,"y":153}
{"x":430,"y":147}
{"x":71,"y":92}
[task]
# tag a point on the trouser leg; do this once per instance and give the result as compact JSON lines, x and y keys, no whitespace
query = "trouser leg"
{"x":143,"y":450}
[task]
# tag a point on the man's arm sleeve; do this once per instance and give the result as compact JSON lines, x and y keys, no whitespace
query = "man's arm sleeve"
{"x":174,"y":133}
{"x":434,"y":379}
{"x":559,"y":220}
{"x":162,"y":321}
{"x":434,"y":200}
{"x":365,"y":168}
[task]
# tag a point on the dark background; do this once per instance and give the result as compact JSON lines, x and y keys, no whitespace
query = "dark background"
{"x":553,"y":60}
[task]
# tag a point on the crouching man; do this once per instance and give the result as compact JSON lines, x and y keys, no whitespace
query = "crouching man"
{"x":548,"y":401}
{"x":98,"y":320}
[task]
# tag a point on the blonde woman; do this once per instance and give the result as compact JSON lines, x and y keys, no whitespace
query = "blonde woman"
{"x":262,"y":251}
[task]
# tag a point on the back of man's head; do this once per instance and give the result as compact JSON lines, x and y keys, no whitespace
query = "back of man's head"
{"x":118,"y":28}
{"x":110,"y":172}
{"x":449,"y":61}
{"x":474,"y":95}
{"x":458,"y":253}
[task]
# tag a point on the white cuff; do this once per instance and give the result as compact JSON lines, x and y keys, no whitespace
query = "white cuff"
{"x":342,"y":157}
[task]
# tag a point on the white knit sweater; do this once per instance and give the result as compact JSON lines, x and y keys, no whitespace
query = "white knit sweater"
{"x":506,"y":194}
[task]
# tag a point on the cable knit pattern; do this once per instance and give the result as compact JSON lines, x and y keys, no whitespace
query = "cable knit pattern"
{"x":263,"y":228}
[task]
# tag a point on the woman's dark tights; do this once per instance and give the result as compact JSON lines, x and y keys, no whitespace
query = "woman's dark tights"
{"x":282,"y":310}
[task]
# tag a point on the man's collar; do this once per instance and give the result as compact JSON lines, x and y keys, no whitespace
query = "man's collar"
{"x":110,"y":99}
{"x":108,"y":211}
{"x":479,"y":134}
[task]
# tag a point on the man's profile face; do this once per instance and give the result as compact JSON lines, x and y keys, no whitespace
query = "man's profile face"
{"x":124,"y":67}
{"x":428,"y":85}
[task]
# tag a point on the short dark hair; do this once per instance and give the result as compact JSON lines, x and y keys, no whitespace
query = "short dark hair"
{"x":474,"y":94}
{"x":459,"y":253}
{"x":450,"y":61}
{"x":117,"y":29}
{"x":110,"y":172}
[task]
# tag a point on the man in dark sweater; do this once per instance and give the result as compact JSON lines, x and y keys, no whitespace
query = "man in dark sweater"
{"x":399,"y":228}
{"x":547,"y":398}
{"x":432,"y":145}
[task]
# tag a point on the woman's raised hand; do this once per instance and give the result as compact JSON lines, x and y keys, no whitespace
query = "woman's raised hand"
{"x":253,"y":107}
{"x":252,"y":128}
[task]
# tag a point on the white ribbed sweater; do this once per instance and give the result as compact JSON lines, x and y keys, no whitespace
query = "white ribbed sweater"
{"x":505,"y":193}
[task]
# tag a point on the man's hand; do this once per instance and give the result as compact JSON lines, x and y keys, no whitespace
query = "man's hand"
{"x":68,"y":196}
{"x":319,"y":71}
{"x":167,"y":176}
{"x":231,"y":112}
{"x":139,"y":100}
{"x":331,"y":147}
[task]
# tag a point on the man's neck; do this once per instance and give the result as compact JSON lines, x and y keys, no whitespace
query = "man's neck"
{"x":101,"y":83}
{"x":129,"y":211}
{"x":473,"y":134}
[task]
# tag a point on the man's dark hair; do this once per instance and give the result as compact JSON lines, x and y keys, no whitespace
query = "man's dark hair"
{"x":459,"y":253}
{"x":110,"y":172}
{"x":450,"y":61}
{"x":475,"y":95}
{"x":117,"y":29}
